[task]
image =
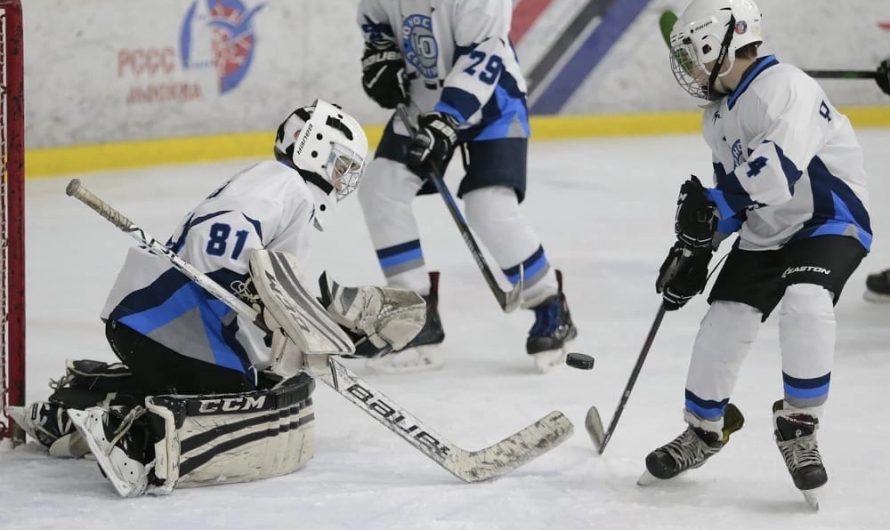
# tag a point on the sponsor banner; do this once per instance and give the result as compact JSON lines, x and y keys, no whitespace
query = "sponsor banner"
{"x":98,"y":71}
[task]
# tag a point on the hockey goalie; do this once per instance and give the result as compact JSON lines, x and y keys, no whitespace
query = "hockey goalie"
{"x":203,"y":395}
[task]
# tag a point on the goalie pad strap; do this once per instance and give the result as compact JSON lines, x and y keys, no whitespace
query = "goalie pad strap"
{"x":228,"y":438}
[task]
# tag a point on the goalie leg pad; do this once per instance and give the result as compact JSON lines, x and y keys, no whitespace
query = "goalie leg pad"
{"x":230,"y":438}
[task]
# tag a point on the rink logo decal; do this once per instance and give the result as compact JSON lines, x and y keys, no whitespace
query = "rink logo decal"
{"x":581,"y":47}
{"x":216,"y":36}
{"x":391,"y":414}
{"x":420,"y":45}
{"x":219,"y":34}
{"x":806,"y":268}
{"x":233,"y":404}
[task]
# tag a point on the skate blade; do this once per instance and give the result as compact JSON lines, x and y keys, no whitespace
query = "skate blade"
{"x":20,"y":417}
{"x":812,"y":498}
{"x":647,"y":479}
{"x":549,"y":361}
{"x":877,"y":298}
{"x":412,"y":360}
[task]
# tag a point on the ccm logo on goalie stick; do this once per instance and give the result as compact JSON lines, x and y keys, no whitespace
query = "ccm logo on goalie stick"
{"x":234,"y":404}
{"x":393,"y":416}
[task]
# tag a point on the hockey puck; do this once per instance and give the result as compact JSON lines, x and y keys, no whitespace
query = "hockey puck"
{"x":579,"y":361}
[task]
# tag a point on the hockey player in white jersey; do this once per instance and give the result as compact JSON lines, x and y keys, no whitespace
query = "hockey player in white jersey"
{"x":203,"y":396}
{"x":789,"y":178}
{"x":451,"y":62}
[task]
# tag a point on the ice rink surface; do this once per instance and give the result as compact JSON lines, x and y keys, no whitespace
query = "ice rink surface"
{"x":604,"y":209}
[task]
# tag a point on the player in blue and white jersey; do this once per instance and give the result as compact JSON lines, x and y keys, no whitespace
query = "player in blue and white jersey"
{"x":789,"y":178}
{"x":451,"y":62}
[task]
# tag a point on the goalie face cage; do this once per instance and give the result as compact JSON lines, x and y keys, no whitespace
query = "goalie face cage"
{"x":12,"y":212}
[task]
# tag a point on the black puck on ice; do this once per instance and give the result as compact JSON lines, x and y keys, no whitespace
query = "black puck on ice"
{"x":580,"y":361}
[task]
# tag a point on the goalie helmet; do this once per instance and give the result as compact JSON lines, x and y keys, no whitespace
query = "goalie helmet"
{"x":704,"y":41}
{"x":326,"y":145}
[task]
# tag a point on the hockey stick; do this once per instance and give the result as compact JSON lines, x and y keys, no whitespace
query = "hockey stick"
{"x":593,"y":423}
{"x":469,"y":466}
{"x":669,"y":18}
{"x":508,"y":301}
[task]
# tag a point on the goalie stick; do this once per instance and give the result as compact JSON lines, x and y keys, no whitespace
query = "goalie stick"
{"x":469,"y":466}
{"x":508,"y":301}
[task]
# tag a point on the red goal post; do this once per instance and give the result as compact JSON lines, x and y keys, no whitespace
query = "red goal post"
{"x":12,"y":208}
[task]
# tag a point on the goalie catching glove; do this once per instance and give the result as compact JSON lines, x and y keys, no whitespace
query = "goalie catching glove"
{"x":380,"y":319}
{"x":366,"y":321}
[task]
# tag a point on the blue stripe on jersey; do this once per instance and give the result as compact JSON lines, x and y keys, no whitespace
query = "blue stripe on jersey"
{"x":792,"y":174}
{"x":398,"y":254}
{"x":530,"y":267}
{"x":190,"y":223}
{"x":704,"y":408}
{"x":171,"y":296}
{"x":729,"y":225}
{"x":378,"y":32}
{"x":729,"y":196}
{"x":753,"y":71}
{"x":836,"y":209}
{"x":806,"y":388}
{"x":458,"y":103}
{"x":257,"y":226}
{"x":506,"y":105}
{"x":510,"y":109}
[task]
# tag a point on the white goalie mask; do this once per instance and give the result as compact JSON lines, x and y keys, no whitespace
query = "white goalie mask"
{"x":704,"y":41}
{"x":326,"y":145}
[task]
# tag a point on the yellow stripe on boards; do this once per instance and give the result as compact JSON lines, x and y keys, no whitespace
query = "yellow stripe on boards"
{"x":175,"y":151}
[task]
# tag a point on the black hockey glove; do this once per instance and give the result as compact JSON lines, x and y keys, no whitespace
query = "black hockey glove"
{"x":432,"y":145}
{"x":883,"y":78}
{"x":683,"y":275}
{"x":383,"y":75}
{"x":695,"y":221}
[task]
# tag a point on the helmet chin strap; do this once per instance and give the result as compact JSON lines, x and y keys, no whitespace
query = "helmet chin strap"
{"x":714,"y":84}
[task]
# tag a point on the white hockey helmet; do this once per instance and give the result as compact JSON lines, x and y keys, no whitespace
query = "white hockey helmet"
{"x":326,"y":145}
{"x":706,"y":37}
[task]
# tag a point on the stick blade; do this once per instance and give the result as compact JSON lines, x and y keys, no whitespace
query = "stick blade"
{"x":512,"y":452}
{"x":666,"y":23}
{"x":512,"y":299}
{"x":594,"y":426}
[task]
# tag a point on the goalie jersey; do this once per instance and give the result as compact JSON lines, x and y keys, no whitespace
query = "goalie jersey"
{"x":787,"y":164}
{"x":266,"y":206}
{"x":459,"y":60}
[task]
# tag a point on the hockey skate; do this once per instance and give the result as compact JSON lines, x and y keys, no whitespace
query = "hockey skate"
{"x":690,"y":450}
{"x":48,"y":423}
{"x":423,"y":353}
{"x":553,"y":329}
{"x":796,"y":439}
{"x":118,"y":454}
{"x":877,"y":287}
